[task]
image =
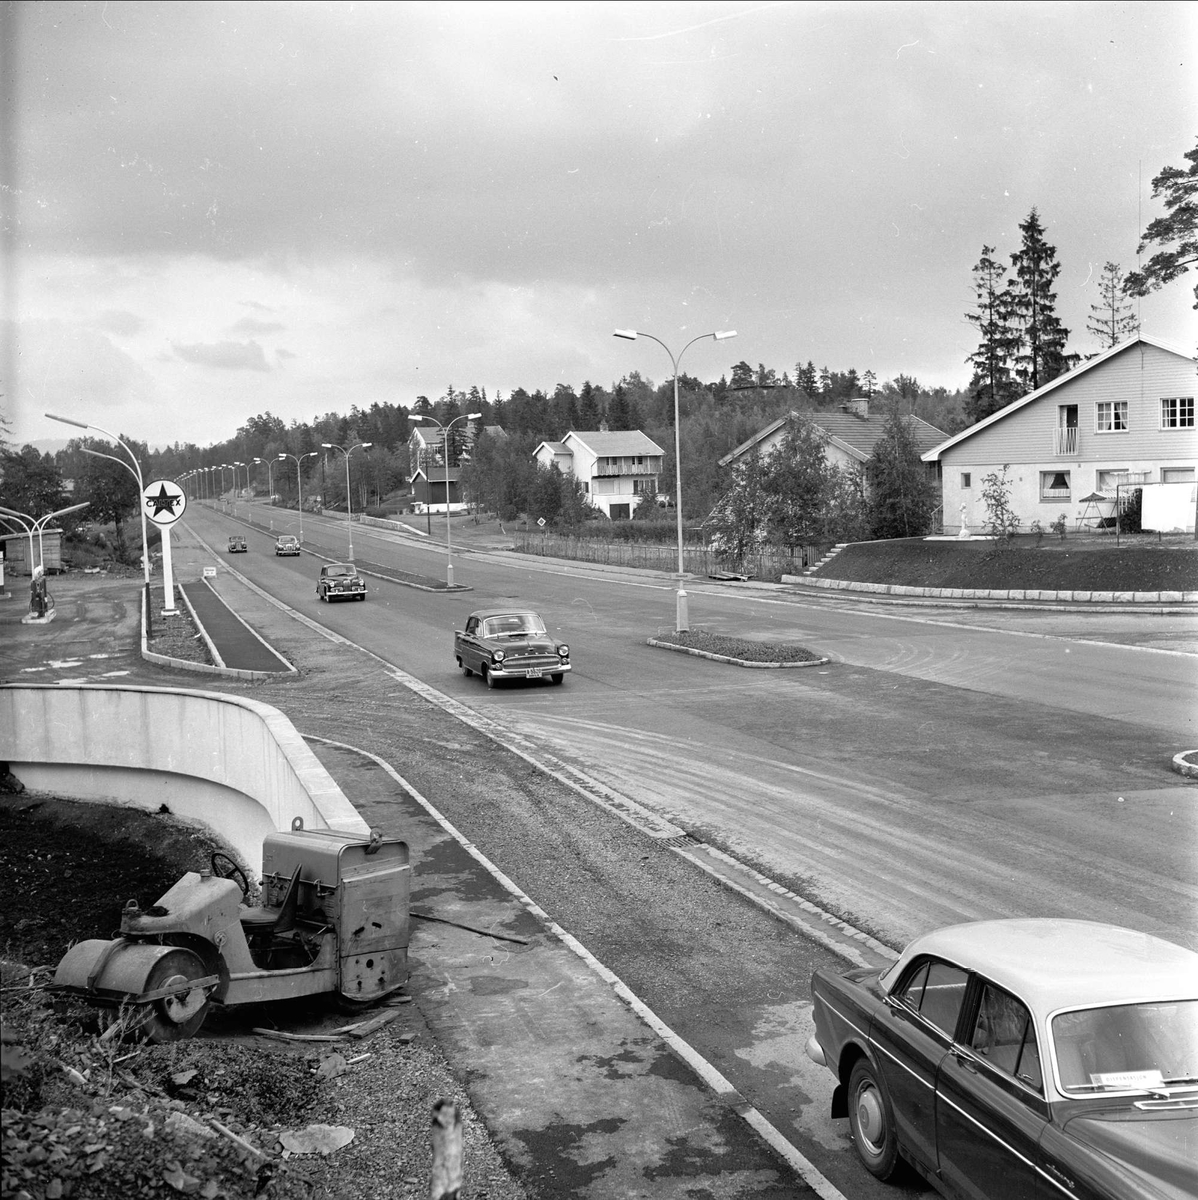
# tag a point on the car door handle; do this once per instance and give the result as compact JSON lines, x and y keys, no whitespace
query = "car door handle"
{"x":965,"y":1060}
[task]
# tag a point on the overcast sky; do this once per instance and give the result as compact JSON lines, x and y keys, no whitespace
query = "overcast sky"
{"x":215,"y":210}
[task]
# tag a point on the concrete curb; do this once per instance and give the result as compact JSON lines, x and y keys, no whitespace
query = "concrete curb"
{"x":1183,"y":766}
{"x":1008,"y":594}
{"x":736,"y":662}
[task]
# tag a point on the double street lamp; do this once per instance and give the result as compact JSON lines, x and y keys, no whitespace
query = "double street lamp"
{"x":349,"y":508}
{"x":445,"y":449}
{"x":270,"y":487}
{"x":682,"y":622}
{"x":135,"y":470}
{"x":299,"y":483}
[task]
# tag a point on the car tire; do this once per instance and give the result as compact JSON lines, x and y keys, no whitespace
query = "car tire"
{"x":871,"y":1120}
{"x":465,"y":669}
{"x":489,"y":678}
{"x":557,"y":677}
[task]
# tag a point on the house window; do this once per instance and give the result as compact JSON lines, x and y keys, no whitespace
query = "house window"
{"x":586,"y":487}
{"x":1177,"y":412}
{"x":645,"y":487}
{"x":1111,"y":416}
{"x":1109,"y":480}
{"x":966,"y":480}
{"x":1054,"y":485}
{"x":1177,"y":474}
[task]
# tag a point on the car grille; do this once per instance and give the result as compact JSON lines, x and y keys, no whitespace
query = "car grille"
{"x":525,"y":662}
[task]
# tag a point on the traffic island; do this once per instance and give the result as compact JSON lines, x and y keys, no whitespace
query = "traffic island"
{"x":740,"y":652}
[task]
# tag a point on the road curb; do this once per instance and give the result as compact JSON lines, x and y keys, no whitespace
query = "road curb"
{"x":736,"y":662}
{"x":1183,"y":766}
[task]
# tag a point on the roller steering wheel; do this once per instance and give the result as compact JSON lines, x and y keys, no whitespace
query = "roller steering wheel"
{"x":224,"y":867}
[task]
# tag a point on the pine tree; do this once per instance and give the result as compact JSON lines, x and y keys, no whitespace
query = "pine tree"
{"x":1041,"y":356}
{"x":1112,"y":319}
{"x":590,"y":413}
{"x":992,"y":386}
{"x":1176,"y":232}
{"x":869,"y":381}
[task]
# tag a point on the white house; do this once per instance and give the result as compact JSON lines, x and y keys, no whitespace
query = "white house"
{"x":616,"y":470}
{"x":1124,"y":417}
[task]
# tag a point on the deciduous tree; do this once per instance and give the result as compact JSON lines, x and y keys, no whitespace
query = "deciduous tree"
{"x":902,"y":497}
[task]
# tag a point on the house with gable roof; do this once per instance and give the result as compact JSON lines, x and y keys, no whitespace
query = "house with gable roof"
{"x":1125,"y":417}
{"x":852,"y":432}
{"x":617,"y":470}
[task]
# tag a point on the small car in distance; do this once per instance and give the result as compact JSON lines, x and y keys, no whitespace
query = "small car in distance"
{"x":340,"y":581}
{"x":237,"y":545}
{"x":1036,"y":1057}
{"x":509,"y":644}
{"x":287,"y":543}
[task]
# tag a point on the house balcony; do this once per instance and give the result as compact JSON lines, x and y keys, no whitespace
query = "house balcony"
{"x":604,"y":471}
{"x":1064,"y":441}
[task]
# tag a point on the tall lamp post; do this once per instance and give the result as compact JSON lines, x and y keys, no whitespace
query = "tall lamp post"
{"x":682,"y":621}
{"x":299,"y":483}
{"x":141,"y":487}
{"x":270,"y":487}
{"x":445,"y":448}
{"x":38,"y":525}
{"x":349,"y":508}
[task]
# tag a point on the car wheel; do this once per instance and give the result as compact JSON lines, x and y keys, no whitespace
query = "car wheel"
{"x":872,"y":1121}
{"x":465,"y":669}
{"x":557,"y":677}
{"x":489,"y":678}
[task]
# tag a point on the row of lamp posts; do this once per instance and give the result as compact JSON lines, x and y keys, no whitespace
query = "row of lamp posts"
{"x":682,"y":619}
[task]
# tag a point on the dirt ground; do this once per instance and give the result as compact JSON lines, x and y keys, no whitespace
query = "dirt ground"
{"x":96,"y":1118}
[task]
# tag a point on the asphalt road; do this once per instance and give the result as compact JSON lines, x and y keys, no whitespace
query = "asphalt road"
{"x":879,"y":788}
{"x":941,"y":767}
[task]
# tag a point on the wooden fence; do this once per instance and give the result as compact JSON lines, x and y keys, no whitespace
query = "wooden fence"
{"x":771,"y":563}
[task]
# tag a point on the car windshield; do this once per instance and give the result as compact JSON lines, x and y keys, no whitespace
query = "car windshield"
{"x":1127,"y":1047}
{"x":339,"y":571}
{"x":513,"y":624}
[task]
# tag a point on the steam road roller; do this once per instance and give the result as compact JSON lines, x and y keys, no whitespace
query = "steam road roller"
{"x":334,"y":919}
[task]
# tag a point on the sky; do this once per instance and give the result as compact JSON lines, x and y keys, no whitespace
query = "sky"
{"x":217,"y":210}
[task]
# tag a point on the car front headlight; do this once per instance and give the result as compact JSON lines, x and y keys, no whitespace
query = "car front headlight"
{"x":563,"y":651}
{"x":498,"y":656}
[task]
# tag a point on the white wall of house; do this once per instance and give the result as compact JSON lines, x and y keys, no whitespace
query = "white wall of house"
{"x":614,"y":481}
{"x":1104,"y":424}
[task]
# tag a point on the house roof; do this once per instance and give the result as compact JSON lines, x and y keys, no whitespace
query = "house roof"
{"x":1068,"y":377}
{"x":556,"y":447}
{"x":615,"y":445}
{"x":436,"y":474}
{"x":855,"y":435}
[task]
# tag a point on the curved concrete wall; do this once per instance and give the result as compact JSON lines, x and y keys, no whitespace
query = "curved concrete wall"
{"x":236,"y":765}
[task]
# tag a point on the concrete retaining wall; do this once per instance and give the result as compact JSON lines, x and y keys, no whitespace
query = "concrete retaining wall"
{"x":236,"y":765}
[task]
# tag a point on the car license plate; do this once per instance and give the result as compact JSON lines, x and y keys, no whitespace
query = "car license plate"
{"x":534,"y":673}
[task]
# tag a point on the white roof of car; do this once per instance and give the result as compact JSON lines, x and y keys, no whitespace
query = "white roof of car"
{"x":1054,"y":963}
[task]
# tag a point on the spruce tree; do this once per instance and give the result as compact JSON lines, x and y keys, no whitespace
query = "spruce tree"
{"x":1176,"y":233}
{"x":1112,"y":319}
{"x":1040,"y":356}
{"x":992,"y":386}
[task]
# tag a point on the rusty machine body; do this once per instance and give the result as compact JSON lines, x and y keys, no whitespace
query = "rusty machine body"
{"x":334,"y":919}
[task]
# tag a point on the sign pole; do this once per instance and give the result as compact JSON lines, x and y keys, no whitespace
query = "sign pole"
{"x":164,"y":502}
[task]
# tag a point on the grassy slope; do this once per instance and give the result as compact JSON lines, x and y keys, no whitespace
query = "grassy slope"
{"x":1069,"y":565}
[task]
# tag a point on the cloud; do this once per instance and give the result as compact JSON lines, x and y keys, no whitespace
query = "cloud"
{"x":124,"y":323}
{"x":226,"y":356}
{"x":253,"y":325}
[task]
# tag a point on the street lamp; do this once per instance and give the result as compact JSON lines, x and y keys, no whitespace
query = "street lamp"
{"x":141,"y":487}
{"x":37,"y":525}
{"x":247,"y":478}
{"x":682,"y":621}
{"x":299,"y":489}
{"x":270,"y":487}
{"x":445,"y":446}
{"x":349,"y":509}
